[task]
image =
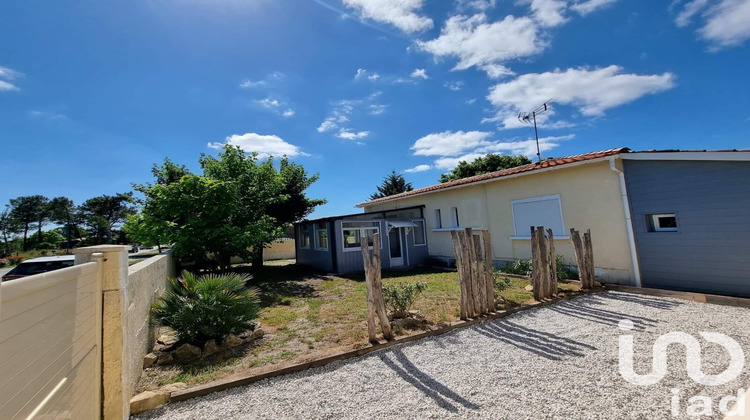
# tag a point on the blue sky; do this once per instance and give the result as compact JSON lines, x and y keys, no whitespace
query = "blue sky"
{"x":93,"y":93}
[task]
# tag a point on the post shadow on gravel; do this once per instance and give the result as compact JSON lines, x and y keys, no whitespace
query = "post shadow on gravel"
{"x":584,"y":309}
{"x":543,"y":344}
{"x":397,"y":361}
{"x":643,"y":300}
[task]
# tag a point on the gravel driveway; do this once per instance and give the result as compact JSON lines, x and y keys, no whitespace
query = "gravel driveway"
{"x":555,"y":362}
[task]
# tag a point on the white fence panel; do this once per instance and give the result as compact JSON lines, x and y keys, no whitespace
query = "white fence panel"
{"x":50,"y":344}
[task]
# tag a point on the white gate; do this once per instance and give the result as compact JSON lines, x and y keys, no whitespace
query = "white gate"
{"x":50,"y":344}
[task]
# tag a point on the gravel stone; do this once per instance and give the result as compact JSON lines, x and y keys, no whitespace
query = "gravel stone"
{"x":555,"y":362}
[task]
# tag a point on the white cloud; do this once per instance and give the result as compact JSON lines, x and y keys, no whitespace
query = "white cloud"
{"x":47,"y":115}
{"x":347,"y":134}
{"x":268,"y":103}
{"x":269,"y":80}
{"x":591,"y":91}
{"x":497,"y":71}
{"x":400,"y":13}
{"x":363,"y":73}
{"x":480,"y":5}
{"x":377,"y":109}
{"x":327,"y":125}
{"x":726,"y":22}
{"x":549,"y":12}
{"x":7,"y":86}
{"x":247,"y":84}
{"x":418,"y":168}
{"x":589,"y":6}
{"x":476,"y":42}
{"x":448,"y":163}
{"x":454,"y":86}
{"x":8,"y":74}
{"x":288,"y":113}
{"x":471,"y":101}
{"x":264,"y":145}
{"x":419,"y":74}
{"x":450,"y":143}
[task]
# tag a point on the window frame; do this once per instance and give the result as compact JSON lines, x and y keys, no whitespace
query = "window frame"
{"x":316,"y":229}
{"x":302,"y":232}
{"x":438,"y":219}
{"x":654,"y":220}
{"x":361,"y":235}
{"x":527,"y":234}
{"x":424,"y":232}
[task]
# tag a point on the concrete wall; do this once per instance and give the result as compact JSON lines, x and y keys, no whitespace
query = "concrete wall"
{"x":279,"y":250}
{"x":589,"y":197}
{"x":50,"y":335}
{"x":146,"y":281}
{"x":710,"y":251}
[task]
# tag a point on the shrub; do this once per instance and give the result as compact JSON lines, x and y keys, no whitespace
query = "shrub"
{"x":563,"y":270}
{"x":501,"y":283}
{"x":3,"y":262}
{"x":520,"y":267}
{"x":207,"y":307}
{"x":15,"y":259}
{"x":400,"y":297}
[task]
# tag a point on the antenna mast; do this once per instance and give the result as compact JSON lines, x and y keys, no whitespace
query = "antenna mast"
{"x":530,"y":118}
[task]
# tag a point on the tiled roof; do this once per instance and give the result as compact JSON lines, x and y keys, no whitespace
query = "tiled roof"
{"x":548,"y":163}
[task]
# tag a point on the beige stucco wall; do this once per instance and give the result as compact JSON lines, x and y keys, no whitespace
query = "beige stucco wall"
{"x":589,"y":196}
{"x":147,"y":280}
{"x":277,"y":250}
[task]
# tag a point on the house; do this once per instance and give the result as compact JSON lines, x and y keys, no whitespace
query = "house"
{"x":334,"y":244}
{"x":664,"y":219}
{"x":691,"y":219}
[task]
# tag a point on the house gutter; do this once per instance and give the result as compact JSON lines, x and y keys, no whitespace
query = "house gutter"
{"x":628,"y":223}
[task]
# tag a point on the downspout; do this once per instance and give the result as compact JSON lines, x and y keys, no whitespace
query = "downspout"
{"x":628,"y":223}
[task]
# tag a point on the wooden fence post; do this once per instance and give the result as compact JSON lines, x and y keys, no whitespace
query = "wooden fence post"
{"x":584,"y":257}
{"x":589,"y":252}
{"x":489,"y":270}
{"x":543,"y":258}
{"x":374,"y":288}
{"x":481,"y":291}
{"x":460,"y":266}
{"x":553,"y":261}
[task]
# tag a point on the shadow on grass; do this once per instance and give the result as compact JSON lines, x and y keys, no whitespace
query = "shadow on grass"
{"x":397,"y":361}
{"x":393,"y":274}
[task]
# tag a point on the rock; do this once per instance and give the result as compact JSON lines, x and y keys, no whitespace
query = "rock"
{"x":167,"y":339}
{"x":244,"y":335}
{"x":210,"y":348}
{"x":254,"y":325}
{"x":187,"y":353}
{"x":149,"y":360}
{"x":169,"y":389}
{"x":416,"y":315}
{"x":258,"y":333}
{"x":165,"y":359}
{"x":529,"y":288}
{"x":147,"y":401}
{"x":232,"y":341}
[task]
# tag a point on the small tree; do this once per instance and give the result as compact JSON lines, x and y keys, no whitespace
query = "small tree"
{"x":9,"y":227}
{"x":101,"y":214}
{"x":484,"y":165}
{"x":392,"y":184}
{"x":62,"y":211}
{"x":27,"y":210}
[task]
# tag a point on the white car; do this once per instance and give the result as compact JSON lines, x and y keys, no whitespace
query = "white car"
{"x":39,"y":265}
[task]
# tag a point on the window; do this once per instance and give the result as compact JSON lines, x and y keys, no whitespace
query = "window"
{"x":538,"y":211}
{"x":664,"y":222}
{"x":454,"y":216}
{"x":354,"y":232}
{"x":321,"y":237}
{"x":304,"y":237}
{"x":438,"y":219}
{"x":419,"y":238}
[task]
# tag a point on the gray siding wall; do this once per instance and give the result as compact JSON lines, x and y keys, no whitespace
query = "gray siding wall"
{"x":710,"y":252}
{"x":322,"y":260}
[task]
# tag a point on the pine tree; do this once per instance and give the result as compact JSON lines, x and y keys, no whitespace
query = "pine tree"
{"x":392,"y":184}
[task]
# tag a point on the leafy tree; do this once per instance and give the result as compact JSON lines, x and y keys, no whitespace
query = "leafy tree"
{"x":145,"y":230}
{"x":27,"y":210}
{"x":483,"y":165}
{"x":9,"y":227}
{"x":49,"y":239}
{"x":62,"y":211}
{"x":392,"y":184}
{"x":101,"y":214}
{"x":164,"y":174}
{"x":199,"y":216}
{"x":295,"y":206}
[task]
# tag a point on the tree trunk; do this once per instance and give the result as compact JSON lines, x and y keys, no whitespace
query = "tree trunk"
{"x":25,"y":236}
{"x":257,"y":261}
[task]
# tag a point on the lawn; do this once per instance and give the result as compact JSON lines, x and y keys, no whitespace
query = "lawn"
{"x":307,"y":316}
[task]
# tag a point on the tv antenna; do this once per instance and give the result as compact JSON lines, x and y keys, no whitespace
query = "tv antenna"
{"x":530,"y":118}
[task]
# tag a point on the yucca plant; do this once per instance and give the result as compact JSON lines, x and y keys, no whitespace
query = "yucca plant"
{"x":207,"y":307}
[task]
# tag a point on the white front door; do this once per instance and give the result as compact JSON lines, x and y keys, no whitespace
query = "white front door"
{"x":396,"y":247}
